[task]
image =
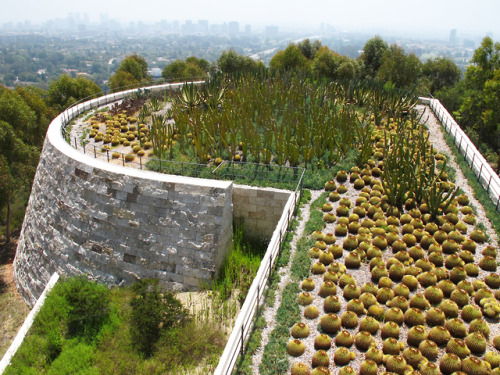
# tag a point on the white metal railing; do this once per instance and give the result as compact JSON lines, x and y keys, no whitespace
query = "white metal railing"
{"x":27,"y":324}
{"x":481,"y":168}
{"x":243,"y":324}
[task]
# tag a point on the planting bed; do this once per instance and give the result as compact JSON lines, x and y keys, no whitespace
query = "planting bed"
{"x":425,"y":297}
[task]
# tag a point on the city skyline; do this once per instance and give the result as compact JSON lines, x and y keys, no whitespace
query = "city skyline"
{"x":402,"y":16}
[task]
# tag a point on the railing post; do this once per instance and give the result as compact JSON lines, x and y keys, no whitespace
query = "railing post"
{"x":242,"y":339}
{"x":488,"y":188}
{"x":123,"y":159}
{"x":95,"y":155}
{"x":107,"y":154}
{"x":480,"y":171}
{"x":140,"y":161}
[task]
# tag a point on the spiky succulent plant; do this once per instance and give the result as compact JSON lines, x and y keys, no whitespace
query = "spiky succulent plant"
{"x":295,"y":348}
{"x":349,"y":320}
{"x":320,"y":358}
{"x":305,"y":299}
{"x":414,"y":316}
{"x":450,"y":363}
{"x":330,"y":323}
{"x":322,"y":341}
{"x":311,"y":312}
{"x":429,"y":349}
{"x":440,"y":335}
{"x":343,"y":356}
{"x":449,"y":308}
{"x":476,"y":342}
{"x":458,"y":347}
{"x":396,"y":364}
{"x":392,"y":346}
{"x":475,"y":366}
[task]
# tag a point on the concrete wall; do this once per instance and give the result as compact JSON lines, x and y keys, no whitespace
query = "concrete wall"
{"x":116,"y":224}
{"x":259,"y":209}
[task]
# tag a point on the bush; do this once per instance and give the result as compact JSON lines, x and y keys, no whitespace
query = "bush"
{"x":152,"y":313}
{"x":75,"y":360}
{"x":88,"y":306}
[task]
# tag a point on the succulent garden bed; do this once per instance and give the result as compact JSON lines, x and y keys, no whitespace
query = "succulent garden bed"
{"x":282,"y":120}
{"x":411,"y":289}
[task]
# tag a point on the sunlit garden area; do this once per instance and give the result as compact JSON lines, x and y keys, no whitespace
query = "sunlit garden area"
{"x":393,"y":266}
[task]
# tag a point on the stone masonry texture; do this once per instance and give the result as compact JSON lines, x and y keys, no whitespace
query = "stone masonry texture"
{"x":115,"y":228}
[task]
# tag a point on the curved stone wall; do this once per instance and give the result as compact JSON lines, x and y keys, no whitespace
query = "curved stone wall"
{"x":117,"y":224}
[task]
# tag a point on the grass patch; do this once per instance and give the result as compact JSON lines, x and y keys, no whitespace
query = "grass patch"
{"x":239,"y":267}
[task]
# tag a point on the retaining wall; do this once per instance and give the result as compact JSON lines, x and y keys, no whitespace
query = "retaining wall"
{"x":117,"y":224}
{"x":259,"y":209}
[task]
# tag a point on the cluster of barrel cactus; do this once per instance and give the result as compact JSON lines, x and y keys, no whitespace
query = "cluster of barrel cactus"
{"x":432,"y":291}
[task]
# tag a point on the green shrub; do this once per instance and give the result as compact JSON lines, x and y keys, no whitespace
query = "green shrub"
{"x":88,"y":306}
{"x":153,"y":312}
{"x":74,"y":360}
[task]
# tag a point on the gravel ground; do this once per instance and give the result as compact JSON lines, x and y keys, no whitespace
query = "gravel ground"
{"x":362,"y":275}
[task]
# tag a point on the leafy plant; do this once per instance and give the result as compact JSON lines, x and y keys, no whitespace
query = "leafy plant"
{"x":152,"y":312}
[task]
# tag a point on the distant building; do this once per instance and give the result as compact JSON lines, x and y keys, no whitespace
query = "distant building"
{"x":233,"y":28}
{"x":272,"y":31}
{"x":155,"y":72}
{"x":453,"y":37}
{"x":203,"y":26}
{"x":248,"y":29}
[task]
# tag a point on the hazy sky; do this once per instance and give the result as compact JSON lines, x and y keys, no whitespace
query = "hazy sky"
{"x":478,"y":17}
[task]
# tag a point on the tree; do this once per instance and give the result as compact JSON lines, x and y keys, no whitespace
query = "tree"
{"x":152,"y":313}
{"x":309,"y":49}
{"x":289,"y":59}
{"x":479,"y":109}
{"x":132,"y":72}
{"x":372,"y":56}
{"x":441,"y":72}
{"x":190,"y":70}
{"x":66,"y":91}
{"x":230,"y":62}
{"x":330,"y":64}
{"x":15,"y":112}
{"x":326,"y":63}
{"x":37,"y":100}
{"x":400,"y":69}
{"x":18,"y":165}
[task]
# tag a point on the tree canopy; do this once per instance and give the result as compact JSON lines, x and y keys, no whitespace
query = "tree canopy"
{"x":132,"y":72}
{"x":399,"y":68}
{"x":192,"y":69}
{"x":372,"y":56}
{"x":230,"y":62}
{"x":66,"y":91}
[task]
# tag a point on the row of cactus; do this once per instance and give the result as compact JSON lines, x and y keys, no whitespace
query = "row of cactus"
{"x":280,"y":119}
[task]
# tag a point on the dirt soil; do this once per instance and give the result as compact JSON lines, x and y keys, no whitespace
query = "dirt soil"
{"x":13,"y":309}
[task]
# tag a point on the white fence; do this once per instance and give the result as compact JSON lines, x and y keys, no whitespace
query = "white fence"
{"x":483,"y":171}
{"x":243,"y":325}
